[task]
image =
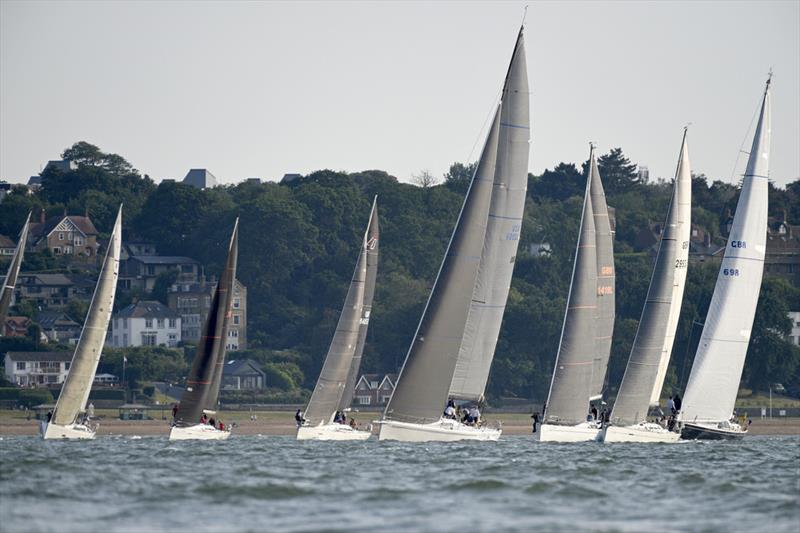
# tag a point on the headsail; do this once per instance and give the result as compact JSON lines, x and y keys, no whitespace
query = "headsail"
{"x":718,"y":364}
{"x":205,"y":376}
{"x":606,"y":281}
{"x":347,"y":339}
{"x":570,"y":388}
{"x":75,"y":391}
{"x":13,"y":271}
{"x":502,"y":235}
{"x":644,"y":375}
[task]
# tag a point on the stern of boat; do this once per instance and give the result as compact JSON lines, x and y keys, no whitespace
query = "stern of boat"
{"x":198,"y":432}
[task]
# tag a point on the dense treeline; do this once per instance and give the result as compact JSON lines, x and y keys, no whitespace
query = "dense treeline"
{"x":298,"y":242}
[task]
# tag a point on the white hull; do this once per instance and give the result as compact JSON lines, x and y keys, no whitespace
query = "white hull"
{"x":70,"y":432}
{"x":584,"y":432}
{"x":644,"y":432}
{"x":331,"y":432}
{"x":444,"y":430}
{"x":198,"y":432}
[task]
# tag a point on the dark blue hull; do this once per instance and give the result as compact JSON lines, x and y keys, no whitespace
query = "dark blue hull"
{"x":697,"y":432}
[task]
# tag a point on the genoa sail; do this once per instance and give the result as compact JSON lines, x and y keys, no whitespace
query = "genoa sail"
{"x":13,"y":271}
{"x":717,"y":368}
{"x":572,"y":380}
{"x":652,"y":346}
{"x":339,"y":367}
{"x":75,"y":391}
{"x":501,"y":240}
{"x":205,"y":376}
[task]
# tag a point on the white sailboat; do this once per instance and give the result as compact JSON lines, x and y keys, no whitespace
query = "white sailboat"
{"x":67,"y":420}
{"x":582,"y":357}
{"x":334,"y":389}
{"x":10,"y":281}
{"x":647,"y":367}
{"x":453,"y":347}
{"x":707,"y":410}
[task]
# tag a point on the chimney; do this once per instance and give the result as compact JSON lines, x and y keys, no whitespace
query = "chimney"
{"x":42,"y":216}
{"x":86,"y":212}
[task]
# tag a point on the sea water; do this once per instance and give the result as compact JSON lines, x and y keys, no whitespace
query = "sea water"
{"x":254,"y":483}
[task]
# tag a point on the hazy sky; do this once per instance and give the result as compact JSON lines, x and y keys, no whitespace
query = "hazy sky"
{"x":259,"y":89}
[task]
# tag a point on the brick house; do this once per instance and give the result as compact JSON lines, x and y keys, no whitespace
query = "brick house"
{"x":374,"y":389}
{"x":192,"y":301}
{"x":72,"y":236}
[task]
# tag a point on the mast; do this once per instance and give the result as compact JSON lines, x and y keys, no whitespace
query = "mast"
{"x":649,"y":358}
{"x":501,"y":241}
{"x":718,"y":364}
{"x":75,"y":391}
{"x":13,"y":271}
{"x":338,"y":366}
{"x":568,"y":400}
{"x":205,"y":376}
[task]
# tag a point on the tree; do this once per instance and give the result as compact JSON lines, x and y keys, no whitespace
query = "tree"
{"x":561,"y":183}
{"x":459,"y":176}
{"x":618,"y":173}
{"x":423,"y":179}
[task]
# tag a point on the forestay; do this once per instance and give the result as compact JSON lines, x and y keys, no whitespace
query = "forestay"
{"x":13,"y":271}
{"x":503,"y":228}
{"x":717,"y":368}
{"x":75,"y":391}
{"x":652,"y":346}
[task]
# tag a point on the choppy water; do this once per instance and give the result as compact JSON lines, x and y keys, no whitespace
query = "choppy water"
{"x":275,"y":483}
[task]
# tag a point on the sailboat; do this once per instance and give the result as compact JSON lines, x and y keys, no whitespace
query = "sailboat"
{"x":201,"y":396}
{"x":647,"y":366}
{"x":13,"y":271}
{"x":452,"y":350}
{"x":334,"y":389}
{"x":707,"y":410}
{"x":68,"y":418}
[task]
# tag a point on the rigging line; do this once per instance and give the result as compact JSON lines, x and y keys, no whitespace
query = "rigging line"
{"x":741,"y":146}
{"x":483,"y":128}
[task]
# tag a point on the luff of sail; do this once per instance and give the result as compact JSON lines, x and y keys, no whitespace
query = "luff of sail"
{"x":606,"y":281}
{"x":13,"y":271}
{"x":424,"y":380}
{"x":568,"y":400}
{"x":719,"y":361}
{"x":653,"y":342}
{"x":501,"y":240}
{"x":333,"y":379}
{"x":372,"y":246}
{"x":78,"y":383}
{"x":205,"y":376}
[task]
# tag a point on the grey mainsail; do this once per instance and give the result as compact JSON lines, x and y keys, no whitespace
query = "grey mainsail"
{"x":338,"y":366}
{"x":604,"y":327}
{"x":75,"y":391}
{"x":205,"y":376}
{"x":501,"y":240}
{"x":653,"y":343}
{"x":425,"y":378}
{"x":570,"y":388}
{"x":13,"y":271}
{"x":372,"y":246}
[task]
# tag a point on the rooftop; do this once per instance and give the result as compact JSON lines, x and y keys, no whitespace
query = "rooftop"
{"x":146,"y":309}
{"x":63,"y":357}
{"x":163,"y":259}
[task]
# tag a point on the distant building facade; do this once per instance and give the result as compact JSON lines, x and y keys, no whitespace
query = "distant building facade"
{"x":16,"y":326}
{"x":140,"y":271}
{"x":192,"y":302}
{"x":145,"y":323}
{"x":7,"y":246}
{"x":794,"y":335}
{"x":28,"y":369}
{"x":52,"y":291}
{"x":374,"y":389}
{"x":58,"y":327}
{"x":242,"y":374}
{"x":783,"y":251}
{"x":72,"y":236}
{"x":200,"y":178}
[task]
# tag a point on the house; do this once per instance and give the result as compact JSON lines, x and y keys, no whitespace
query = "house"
{"x":130,"y":249}
{"x":242,"y":374}
{"x":192,"y":301}
{"x":16,"y":326}
{"x":374,"y":389}
{"x":200,"y":178}
{"x":59,"y":327}
{"x":145,"y":323}
{"x":140,"y":271}
{"x":52,"y":291}
{"x":30,"y":369}
{"x":794,"y":335}
{"x":72,"y":236}
{"x":782,"y":258}
{"x":289,"y":178}
{"x":7,"y":246}
{"x":106,"y":379}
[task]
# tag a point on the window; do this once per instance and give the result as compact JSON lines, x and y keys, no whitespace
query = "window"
{"x":78,"y":241}
{"x":373,"y":384}
{"x":68,"y":249}
{"x":66,"y":365}
{"x":20,"y":365}
{"x":116,"y":340}
{"x":233,"y":333}
{"x":236,"y":303}
{"x":124,"y":339}
{"x":57,"y":250}
{"x":148,"y":322}
{"x":385,"y":399}
{"x":160,"y":322}
{"x":364,"y":400}
{"x":60,"y":236}
{"x":172,"y":323}
{"x":173,"y":337}
{"x":236,"y":320}
{"x":148,"y":339}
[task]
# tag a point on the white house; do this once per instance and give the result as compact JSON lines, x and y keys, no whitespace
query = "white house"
{"x":794,"y":336}
{"x":27,"y":369}
{"x":145,"y":323}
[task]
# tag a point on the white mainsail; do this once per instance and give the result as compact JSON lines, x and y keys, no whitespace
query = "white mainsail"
{"x":717,"y":368}
{"x":75,"y":391}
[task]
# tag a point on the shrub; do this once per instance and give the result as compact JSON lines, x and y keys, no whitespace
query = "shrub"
{"x":33,"y":397}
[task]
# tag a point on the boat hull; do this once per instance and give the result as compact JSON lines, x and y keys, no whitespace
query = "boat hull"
{"x":198,"y":432}
{"x":444,"y":430}
{"x":584,"y":432}
{"x":645,"y":432}
{"x":52,"y":431}
{"x":331,"y":432}
{"x":697,"y":431}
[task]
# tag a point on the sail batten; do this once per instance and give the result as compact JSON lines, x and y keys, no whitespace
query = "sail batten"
{"x":78,"y":383}
{"x":717,"y":368}
{"x":644,"y":376}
